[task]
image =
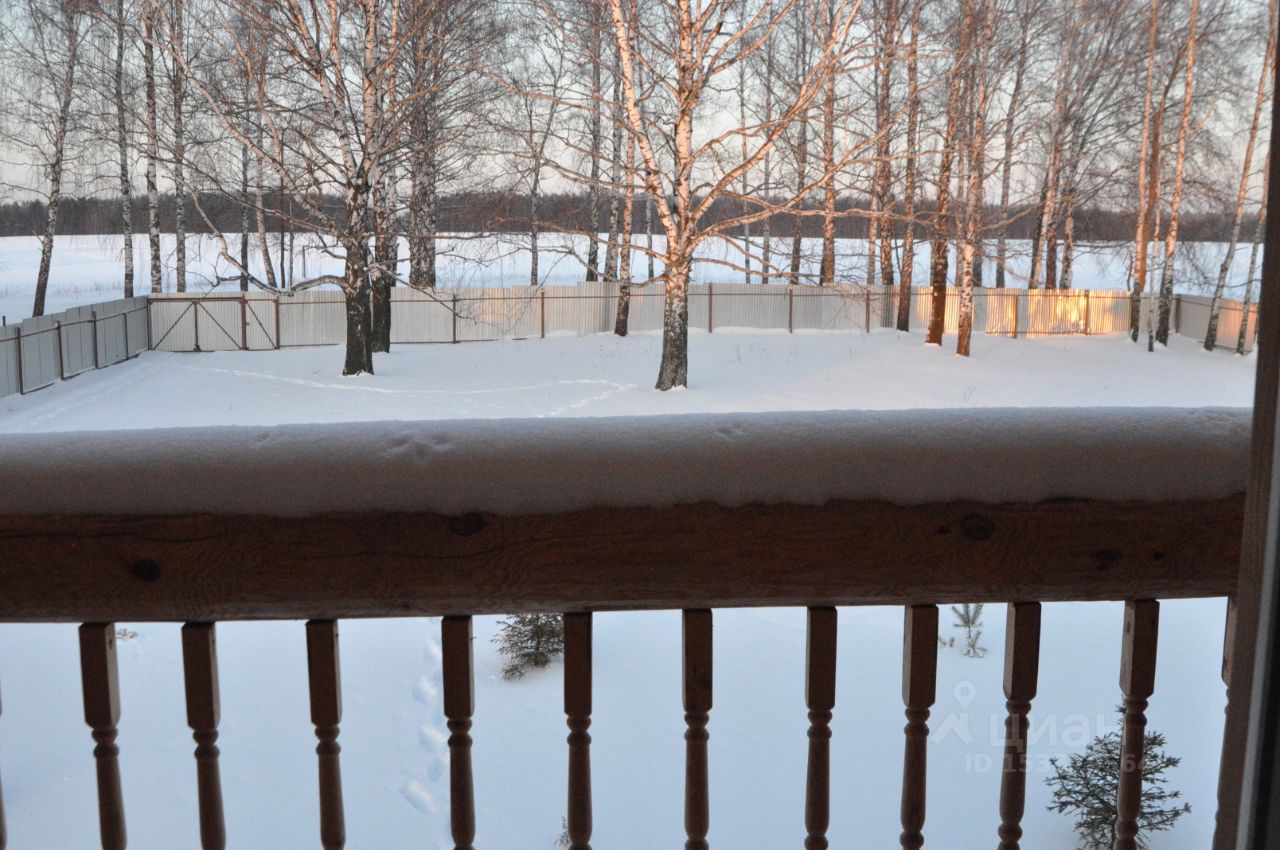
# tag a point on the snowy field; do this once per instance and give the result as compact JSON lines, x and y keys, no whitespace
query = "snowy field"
{"x":606,"y":376}
{"x":88,"y":269}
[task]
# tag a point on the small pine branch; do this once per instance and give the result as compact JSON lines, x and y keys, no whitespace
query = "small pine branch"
{"x":529,"y":641}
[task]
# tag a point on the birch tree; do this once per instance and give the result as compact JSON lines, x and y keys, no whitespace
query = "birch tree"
{"x":702,"y":43}
{"x":1246,"y":175}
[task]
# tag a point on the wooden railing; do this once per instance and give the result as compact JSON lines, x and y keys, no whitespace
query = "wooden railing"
{"x":202,"y":569}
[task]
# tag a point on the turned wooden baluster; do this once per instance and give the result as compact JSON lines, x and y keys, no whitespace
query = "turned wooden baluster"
{"x":459,"y":705}
{"x":200,"y":673}
{"x":99,"y":675}
{"x":696,"y":627}
{"x":820,"y":697}
{"x":1021,"y":669}
{"x":919,"y":682}
{"x":4,"y":835}
{"x":1221,"y":827}
{"x":326,"y":714}
{"x":1137,"y":681}
{"x":577,"y":708}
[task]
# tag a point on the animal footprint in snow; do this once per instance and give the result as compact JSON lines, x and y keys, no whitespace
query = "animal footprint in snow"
{"x":436,"y":768}
{"x":418,"y":797}
{"x":425,"y":690}
{"x":432,"y":739}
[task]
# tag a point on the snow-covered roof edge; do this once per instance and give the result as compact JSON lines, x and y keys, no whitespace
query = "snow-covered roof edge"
{"x":511,"y":466}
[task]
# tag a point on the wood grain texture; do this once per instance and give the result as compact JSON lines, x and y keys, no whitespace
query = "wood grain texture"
{"x":1021,"y":671}
{"x":212,"y":568}
{"x":459,"y":705}
{"x":820,"y":699}
{"x":1137,"y":682}
{"x":324,"y":678}
{"x":200,"y":675}
{"x":577,"y":709}
{"x":100,"y":678}
{"x":696,"y":645}
{"x":919,"y":689}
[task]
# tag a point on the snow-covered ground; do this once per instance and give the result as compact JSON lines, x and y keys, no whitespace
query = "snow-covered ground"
{"x":604,"y":375}
{"x":87,"y":269}
{"x":394,"y":756}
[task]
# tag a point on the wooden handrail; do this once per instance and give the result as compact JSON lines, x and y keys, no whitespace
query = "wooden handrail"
{"x":202,"y":568}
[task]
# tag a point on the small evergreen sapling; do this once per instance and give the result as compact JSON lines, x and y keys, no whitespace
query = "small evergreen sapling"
{"x":1085,"y":788}
{"x":529,"y":640}
{"x":969,"y":618}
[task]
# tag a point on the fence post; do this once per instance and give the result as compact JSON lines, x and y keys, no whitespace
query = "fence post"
{"x":542,"y":314}
{"x":195,"y":315}
{"x":93,"y":324}
{"x":244,"y":324}
{"x":455,"y":317}
{"x":1017,"y":306}
{"x":277,"y":300}
{"x":1177,"y":314}
{"x":62,"y":366}
{"x":710,"y":302}
{"x":125,"y":317}
{"x":1086,"y":312}
{"x":867,"y":303}
{"x":147,"y":308}
{"x":22,"y":386}
{"x":791,"y":309}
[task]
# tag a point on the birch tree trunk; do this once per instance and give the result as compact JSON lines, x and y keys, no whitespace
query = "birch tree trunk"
{"x":1145,"y":208}
{"x":153,"y":141}
{"x":1179,"y":169}
{"x":909,"y":188}
{"x":827,"y":267}
{"x":979,"y":50}
{"x":178,"y":85}
{"x":942,"y":208}
{"x":1211,"y":334}
{"x":57,"y":156}
{"x":1006,"y":165}
{"x":1258,"y":232}
{"x":122,"y":149}
{"x":884,"y":150}
{"x":597,"y":145}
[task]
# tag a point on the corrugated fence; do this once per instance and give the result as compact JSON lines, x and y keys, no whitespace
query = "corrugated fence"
{"x":259,"y":320}
{"x":45,"y":349}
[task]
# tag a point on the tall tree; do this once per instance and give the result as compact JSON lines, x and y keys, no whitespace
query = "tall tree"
{"x":1246,"y":174}
{"x":1179,"y":175}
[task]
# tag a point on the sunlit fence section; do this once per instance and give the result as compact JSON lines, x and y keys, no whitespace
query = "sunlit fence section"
{"x":261,"y":320}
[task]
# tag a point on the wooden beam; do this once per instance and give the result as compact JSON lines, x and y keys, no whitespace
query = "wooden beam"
{"x":212,"y":568}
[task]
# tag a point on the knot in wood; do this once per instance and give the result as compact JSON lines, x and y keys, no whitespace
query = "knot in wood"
{"x":145,"y":570}
{"x":467,"y":524}
{"x":977,"y":527}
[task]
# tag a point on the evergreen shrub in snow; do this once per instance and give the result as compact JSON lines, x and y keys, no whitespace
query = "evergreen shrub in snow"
{"x":1085,"y":789}
{"x":529,"y":640}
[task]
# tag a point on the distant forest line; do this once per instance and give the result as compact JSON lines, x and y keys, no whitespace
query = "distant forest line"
{"x":507,"y":213}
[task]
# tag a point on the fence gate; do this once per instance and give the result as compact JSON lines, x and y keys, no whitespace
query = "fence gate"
{"x":215,"y":323}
